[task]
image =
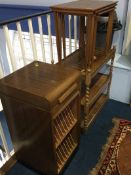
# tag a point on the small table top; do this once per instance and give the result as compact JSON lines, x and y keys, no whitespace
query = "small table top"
{"x":124,"y":156}
{"x":84,"y":7}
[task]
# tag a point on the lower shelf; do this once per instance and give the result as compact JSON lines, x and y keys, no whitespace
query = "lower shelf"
{"x":95,"y":110}
{"x":64,"y":152}
{"x":95,"y":91}
{"x":63,"y":124}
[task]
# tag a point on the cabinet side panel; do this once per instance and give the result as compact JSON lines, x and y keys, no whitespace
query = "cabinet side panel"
{"x":31,"y":134}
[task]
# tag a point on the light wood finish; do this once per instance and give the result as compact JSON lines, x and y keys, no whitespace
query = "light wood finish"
{"x":42,"y":108}
{"x":87,"y":58}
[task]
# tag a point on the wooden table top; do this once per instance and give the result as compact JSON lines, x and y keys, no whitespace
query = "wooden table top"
{"x":42,"y":84}
{"x":86,"y":6}
{"x":124,"y":156}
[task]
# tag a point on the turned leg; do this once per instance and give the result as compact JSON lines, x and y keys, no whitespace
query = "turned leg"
{"x":87,"y":98}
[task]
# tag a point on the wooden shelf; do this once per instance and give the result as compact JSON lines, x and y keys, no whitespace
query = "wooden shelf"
{"x":97,"y":89}
{"x":63,"y":124}
{"x":96,"y":108}
{"x":65,"y":151}
{"x":74,"y":60}
{"x":101,"y":60}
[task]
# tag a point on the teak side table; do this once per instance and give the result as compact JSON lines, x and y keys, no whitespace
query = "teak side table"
{"x":88,"y":59}
{"x":42,"y":108}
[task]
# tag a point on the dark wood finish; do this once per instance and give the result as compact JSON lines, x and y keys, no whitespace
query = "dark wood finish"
{"x":124,"y":156}
{"x":39,"y":101}
{"x":96,"y":108}
{"x":87,"y":59}
{"x":74,"y":60}
{"x":31,"y":134}
{"x":99,"y":86}
{"x":109,"y":31}
{"x":81,"y":36}
{"x":90,"y":9}
{"x":58,"y":36}
{"x":31,"y":80}
{"x":90,"y":39}
{"x":84,"y":7}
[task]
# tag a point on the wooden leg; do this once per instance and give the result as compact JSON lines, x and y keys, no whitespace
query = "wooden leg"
{"x":58,"y":35}
{"x":94,"y":38}
{"x":81,"y":36}
{"x":87,"y":98}
{"x":86,"y":107}
{"x":89,"y":54}
{"x":90,"y":38}
{"x":109,"y":31}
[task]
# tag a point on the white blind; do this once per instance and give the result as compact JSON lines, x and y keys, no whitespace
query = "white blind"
{"x":127,"y":37}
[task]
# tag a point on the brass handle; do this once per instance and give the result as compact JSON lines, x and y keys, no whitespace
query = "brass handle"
{"x":67,"y":93}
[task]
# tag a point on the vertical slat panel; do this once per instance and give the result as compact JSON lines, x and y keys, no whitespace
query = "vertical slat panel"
{"x":9,"y":45}
{"x":70,"y":45}
{"x":41,"y":37}
{"x":21,"y":42}
{"x":32,"y":39}
{"x":75,"y":31}
{"x":50,"y":38}
{"x":4,"y":141}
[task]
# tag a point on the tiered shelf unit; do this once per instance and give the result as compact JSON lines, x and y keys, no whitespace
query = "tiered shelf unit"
{"x":88,"y":59}
{"x":42,"y":107}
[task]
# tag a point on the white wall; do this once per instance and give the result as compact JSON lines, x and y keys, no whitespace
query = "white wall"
{"x":119,"y":35}
{"x":121,"y":85}
{"x":127,"y":37}
{"x":34,"y":2}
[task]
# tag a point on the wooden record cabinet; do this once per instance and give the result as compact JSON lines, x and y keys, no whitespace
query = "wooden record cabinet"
{"x":90,"y":57}
{"x":41,"y":104}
